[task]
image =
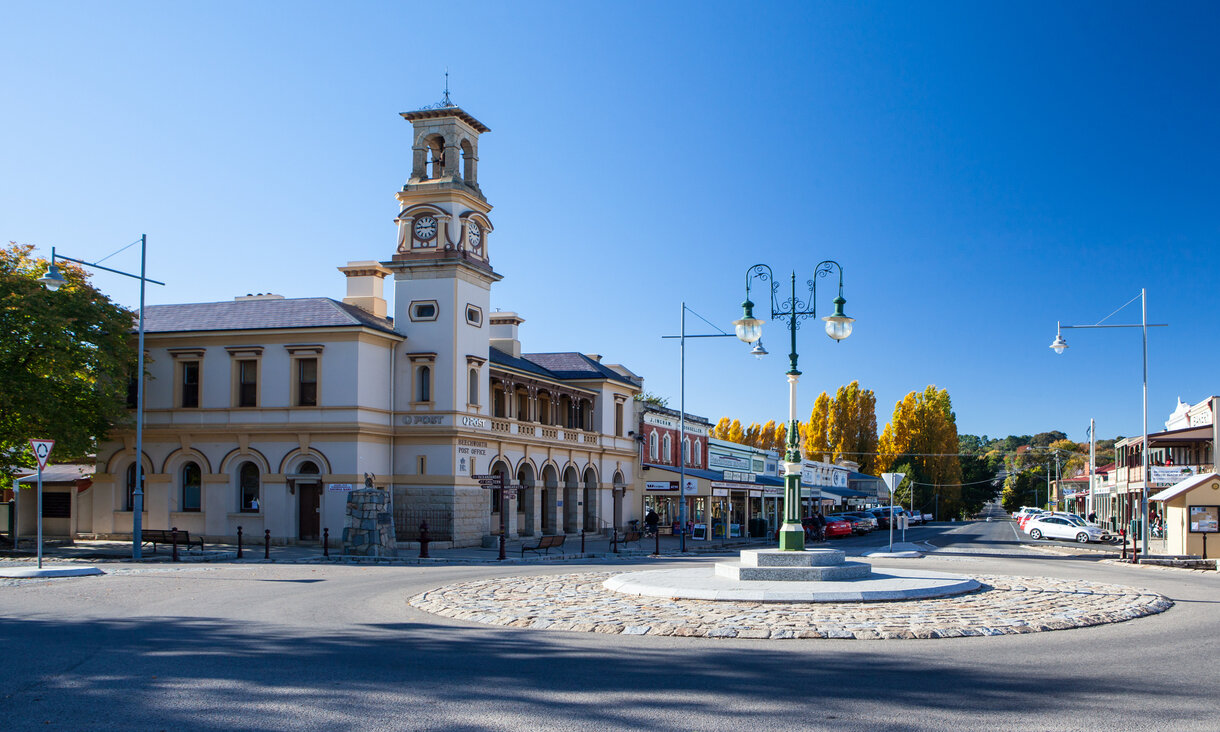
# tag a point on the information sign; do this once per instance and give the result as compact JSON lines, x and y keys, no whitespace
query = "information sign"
{"x":1204,"y":519}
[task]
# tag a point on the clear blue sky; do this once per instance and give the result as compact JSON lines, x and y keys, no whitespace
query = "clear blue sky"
{"x":980,"y":170}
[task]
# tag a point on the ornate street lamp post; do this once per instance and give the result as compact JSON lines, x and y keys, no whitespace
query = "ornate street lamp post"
{"x":53,"y":280}
{"x":749,"y":329}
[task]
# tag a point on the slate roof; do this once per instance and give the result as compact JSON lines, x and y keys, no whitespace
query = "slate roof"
{"x":305,"y":312}
{"x":557,"y":366}
{"x":572,"y":365}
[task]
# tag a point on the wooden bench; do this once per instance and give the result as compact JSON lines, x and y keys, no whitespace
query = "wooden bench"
{"x":165,"y":536}
{"x":636,"y":536}
{"x":545,"y":544}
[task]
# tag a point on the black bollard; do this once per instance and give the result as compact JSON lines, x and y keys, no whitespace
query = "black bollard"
{"x":423,"y":540}
{"x":174,"y":537}
{"x":582,"y":540}
{"x":614,"y":540}
{"x":326,"y":543}
{"x":657,"y":534}
{"x":239,"y":542}
{"x":266,"y":543}
{"x":1123,"y":534}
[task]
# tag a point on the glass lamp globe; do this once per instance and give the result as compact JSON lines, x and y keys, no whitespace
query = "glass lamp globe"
{"x":749,"y":328}
{"x":1059,"y":345}
{"x":52,"y":279}
{"x":838,"y":325}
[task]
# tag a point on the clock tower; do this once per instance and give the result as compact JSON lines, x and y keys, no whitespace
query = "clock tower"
{"x":442,"y":290}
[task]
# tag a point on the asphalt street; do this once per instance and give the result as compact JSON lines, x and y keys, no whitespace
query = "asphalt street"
{"x":336,"y":647}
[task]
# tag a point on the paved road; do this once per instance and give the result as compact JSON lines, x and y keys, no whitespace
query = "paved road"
{"x":217,"y":647}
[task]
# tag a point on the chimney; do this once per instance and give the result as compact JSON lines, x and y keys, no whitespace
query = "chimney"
{"x":504,"y":333}
{"x":364,"y":286}
{"x":595,"y":356}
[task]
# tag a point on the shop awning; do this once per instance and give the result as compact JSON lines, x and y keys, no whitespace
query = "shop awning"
{"x":844,"y":492}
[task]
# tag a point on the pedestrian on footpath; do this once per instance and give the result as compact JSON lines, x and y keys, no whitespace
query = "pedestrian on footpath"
{"x":651,"y":520}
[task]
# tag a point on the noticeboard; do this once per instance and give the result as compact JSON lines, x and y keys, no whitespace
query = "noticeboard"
{"x":1204,"y":519}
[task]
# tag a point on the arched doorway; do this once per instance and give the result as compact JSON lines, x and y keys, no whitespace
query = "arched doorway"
{"x":309,"y":501}
{"x":526,"y":509}
{"x":620,"y":487}
{"x":571,"y":501}
{"x":591,"y":500}
{"x":549,"y":500}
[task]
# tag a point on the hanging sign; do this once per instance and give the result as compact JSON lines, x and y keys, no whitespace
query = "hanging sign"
{"x":690,"y":487}
{"x":42,"y":451}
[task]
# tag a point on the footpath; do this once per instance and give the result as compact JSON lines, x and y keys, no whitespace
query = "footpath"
{"x":595,"y":547}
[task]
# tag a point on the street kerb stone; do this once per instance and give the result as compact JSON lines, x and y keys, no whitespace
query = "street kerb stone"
{"x":579,"y":603}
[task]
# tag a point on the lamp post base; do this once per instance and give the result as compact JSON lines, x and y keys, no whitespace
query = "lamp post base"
{"x":791,"y":538}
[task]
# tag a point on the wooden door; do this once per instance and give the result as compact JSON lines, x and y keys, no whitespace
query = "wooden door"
{"x":310,"y":517}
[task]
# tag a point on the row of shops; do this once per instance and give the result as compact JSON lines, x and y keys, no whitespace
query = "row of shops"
{"x":732,"y":490}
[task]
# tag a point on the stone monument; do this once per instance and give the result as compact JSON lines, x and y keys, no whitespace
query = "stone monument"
{"x":369,"y":527}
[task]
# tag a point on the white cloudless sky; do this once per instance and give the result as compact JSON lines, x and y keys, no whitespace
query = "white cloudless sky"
{"x":980,"y":171}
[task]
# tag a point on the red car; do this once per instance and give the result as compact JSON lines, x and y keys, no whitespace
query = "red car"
{"x":834,"y":527}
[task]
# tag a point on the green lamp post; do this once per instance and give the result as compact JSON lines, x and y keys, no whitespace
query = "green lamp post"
{"x":749,"y":329}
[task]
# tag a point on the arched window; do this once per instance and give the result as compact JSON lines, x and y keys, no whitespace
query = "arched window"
{"x":468,"y":171}
{"x":436,"y":156}
{"x":308,"y":467}
{"x":247,"y":488}
{"x":192,"y":480}
{"x":473,"y":387}
{"x":667,"y":450}
{"x":423,"y":386}
{"x":652,"y":446}
{"x":130,"y":500}
{"x":697,"y":457}
{"x":686,"y":451}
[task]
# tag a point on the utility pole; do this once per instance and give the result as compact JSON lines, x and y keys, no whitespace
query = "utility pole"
{"x":1092,"y":464}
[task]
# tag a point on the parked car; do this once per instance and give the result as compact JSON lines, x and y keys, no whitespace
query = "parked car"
{"x":916,"y":518}
{"x":1079,"y":521}
{"x":869,"y":519}
{"x":1058,"y":527}
{"x":834,"y":526}
{"x":883,"y":515}
{"x":858,"y":525}
{"x":1023,"y":521}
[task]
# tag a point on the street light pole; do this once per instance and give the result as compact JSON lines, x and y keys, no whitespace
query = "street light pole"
{"x":749,"y":329}
{"x":53,"y":280}
{"x":1059,"y":346}
{"x":682,"y":336}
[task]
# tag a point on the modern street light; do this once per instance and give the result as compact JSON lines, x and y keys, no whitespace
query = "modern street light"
{"x":53,"y":280}
{"x":1059,"y":345}
{"x":683,"y":335}
{"x":749,"y":329}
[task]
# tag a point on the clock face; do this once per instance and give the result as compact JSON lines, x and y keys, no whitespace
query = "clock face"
{"x":425,"y":227}
{"x":474,"y":235}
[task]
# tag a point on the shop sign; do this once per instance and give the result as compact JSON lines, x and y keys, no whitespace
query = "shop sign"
{"x":690,"y":487}
{"x":721,"y":461}
{"x":773,"y":490}
{"x":740,"y":477}
{"x":734,"y":486}
{"x":723,"y":492}
{"x":661,"y":485}
{"x":339,"y":487}
{"x":1169,"y":475}
{"x":838,"y":479}
{"x":675,"y":424}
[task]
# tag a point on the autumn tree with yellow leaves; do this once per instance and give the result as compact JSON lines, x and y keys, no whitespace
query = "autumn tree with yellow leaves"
{"x":921,"y":439}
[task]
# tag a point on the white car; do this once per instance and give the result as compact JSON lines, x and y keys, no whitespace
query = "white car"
{"x":1058,"y":527}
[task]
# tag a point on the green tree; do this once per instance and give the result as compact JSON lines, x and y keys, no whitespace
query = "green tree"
{"x":65,"y":360}
{"x":648,"y":397}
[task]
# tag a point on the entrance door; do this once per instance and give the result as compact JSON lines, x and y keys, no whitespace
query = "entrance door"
{"x":310,"y":515}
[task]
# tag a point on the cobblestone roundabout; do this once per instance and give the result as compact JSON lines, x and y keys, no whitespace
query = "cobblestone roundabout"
{"x":578,"y":602}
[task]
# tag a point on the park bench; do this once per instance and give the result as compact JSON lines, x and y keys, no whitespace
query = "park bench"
{"x":166,"y":536}
{"x":545,"y":544}
{"x":631,"y":536}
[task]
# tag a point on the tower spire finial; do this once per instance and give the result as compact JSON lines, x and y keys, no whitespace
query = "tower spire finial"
{"x":447,"y":102}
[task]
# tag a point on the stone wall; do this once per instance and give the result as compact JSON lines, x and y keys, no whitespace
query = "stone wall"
{"x":369,"y":527}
